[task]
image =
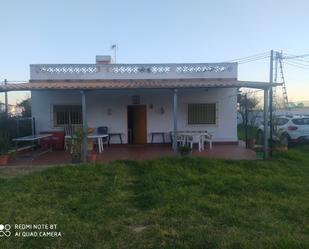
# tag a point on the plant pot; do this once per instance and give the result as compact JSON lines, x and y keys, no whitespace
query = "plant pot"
{"x":89,"y":145}
{"x":92,"y":157}
{"x":75,"y":157}
{"x":4,"y":159}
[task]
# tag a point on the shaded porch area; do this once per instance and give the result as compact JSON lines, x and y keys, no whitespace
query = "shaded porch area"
{"x":141,"y":152}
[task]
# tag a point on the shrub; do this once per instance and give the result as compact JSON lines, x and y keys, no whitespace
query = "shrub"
{"x":184,"y":150}
{"x":4,"y":142}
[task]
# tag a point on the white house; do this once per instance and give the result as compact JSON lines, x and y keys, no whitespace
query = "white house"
{"x":137,"y":100}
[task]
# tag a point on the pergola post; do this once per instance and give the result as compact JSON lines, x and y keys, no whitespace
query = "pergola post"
{"x":175,"y":129}
{"x":266,"y":120}
{"x":6,"y":103}
{"x":85,"y":127}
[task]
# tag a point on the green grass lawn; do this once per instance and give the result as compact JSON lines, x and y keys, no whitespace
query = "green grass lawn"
{"x":166,"y":203}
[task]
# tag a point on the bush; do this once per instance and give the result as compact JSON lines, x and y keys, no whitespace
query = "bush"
{"x":184,"y":150}
{"x":15,"y":126}
{"x":4,"y":142}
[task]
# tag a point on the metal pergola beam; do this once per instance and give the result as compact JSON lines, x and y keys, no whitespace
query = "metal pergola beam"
{"x":175,"y":128}
{"x":266,"y":120}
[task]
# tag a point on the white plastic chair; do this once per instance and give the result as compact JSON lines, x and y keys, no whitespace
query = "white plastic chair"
{"x":69,"y":131}
{"x":194,"y":139}
{"x":189,"y":141}
{"x":206,"y":138}
{"x":181,"y":140}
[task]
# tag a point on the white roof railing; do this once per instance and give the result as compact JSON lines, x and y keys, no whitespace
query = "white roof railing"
{"x":132,"y":71}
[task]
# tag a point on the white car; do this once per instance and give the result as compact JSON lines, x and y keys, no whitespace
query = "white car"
{"x":288,"y":129}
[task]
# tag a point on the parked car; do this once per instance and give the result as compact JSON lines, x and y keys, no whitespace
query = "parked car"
{"x":288,"y":129}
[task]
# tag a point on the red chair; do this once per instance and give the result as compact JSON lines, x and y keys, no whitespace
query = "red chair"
{"x":56,"y":140}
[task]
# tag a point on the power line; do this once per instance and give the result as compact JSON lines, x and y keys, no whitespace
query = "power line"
{"x":250,"y":58}
{"x":291,"y":56}
{"x":299,"y":60}
{"x":296,"y":65}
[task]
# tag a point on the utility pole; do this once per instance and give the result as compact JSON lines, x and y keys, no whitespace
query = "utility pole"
{"x":275,"y":93}
{"x":6,"y":99}
{"x":285,"y":94}
{"x":271,"y":74}
{"x":246,"y":120}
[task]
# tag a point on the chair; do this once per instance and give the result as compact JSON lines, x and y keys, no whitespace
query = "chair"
{"x":56,"y":140}
{"x":69,"y":131}
{"x":103,"y":130}
{"x":180,"y":139}
{"x":189,"y":141}
{"x":194,"y":139}
{"x":206,"y":138}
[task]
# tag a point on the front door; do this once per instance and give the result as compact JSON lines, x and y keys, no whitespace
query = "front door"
{"x":137,"y":125}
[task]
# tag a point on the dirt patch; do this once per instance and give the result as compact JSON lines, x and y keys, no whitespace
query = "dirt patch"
{"x":138,"y":228}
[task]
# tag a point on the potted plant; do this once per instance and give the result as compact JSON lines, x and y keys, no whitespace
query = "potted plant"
{"x":92,"y":157}
{"x":75,"y":145}
{"x":184,"y":150}
{"x":4,"y":147}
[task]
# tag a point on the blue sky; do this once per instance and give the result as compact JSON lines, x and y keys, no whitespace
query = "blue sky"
{"x":74,"y":31}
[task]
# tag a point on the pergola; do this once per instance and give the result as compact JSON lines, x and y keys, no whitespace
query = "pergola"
{"x":174,"y":85}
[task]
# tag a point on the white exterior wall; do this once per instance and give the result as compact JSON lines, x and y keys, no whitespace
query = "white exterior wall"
{"x":98,"y":102}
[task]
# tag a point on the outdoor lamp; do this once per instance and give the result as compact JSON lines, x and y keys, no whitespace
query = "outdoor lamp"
{"x":162,"y":110}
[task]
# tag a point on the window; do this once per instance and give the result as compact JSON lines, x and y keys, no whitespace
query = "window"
{"x":301,"y":121}
{"x":202,"y":113}
{"x":136,"y":100}
{"x":281,"y":121}
{"x":67,"y":114}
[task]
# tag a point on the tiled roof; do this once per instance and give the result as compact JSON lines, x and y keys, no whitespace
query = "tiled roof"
{"x":131,"y":84}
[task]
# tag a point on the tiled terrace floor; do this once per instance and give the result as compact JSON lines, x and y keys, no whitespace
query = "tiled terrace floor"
{"x":140,"y":152}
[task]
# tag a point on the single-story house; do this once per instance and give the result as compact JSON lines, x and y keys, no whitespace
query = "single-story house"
{"x":138,"y":100}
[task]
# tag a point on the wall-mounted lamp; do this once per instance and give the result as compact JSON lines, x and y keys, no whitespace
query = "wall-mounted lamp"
{"x":109,"y":111}
{"x":162,"y":110}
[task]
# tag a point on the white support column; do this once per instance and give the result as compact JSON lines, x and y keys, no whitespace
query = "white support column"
{"x":266,"y":120}
{"x":175,"y":129}
{"x":85,"y":126}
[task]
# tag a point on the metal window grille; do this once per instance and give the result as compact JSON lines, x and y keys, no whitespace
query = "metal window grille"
{"x":67,"y":114}
{"x":136,"y":100}
{"x":202,"y":113}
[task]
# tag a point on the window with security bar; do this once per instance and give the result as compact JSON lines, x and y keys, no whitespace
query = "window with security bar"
{"x":67,"y":115}
{"x":202,"y":113}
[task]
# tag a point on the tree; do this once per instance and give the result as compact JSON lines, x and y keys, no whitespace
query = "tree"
{"x":252,"y":103}
{"x":25,"y":105}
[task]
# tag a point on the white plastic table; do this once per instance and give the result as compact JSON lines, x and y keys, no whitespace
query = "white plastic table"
{"x":32,"y":139}
{"x":198,"y":138}
{"x":99,"y":137}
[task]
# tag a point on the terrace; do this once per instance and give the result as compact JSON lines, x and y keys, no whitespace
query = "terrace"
{"x":106,"y":71}
{"x":140,"y":152}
